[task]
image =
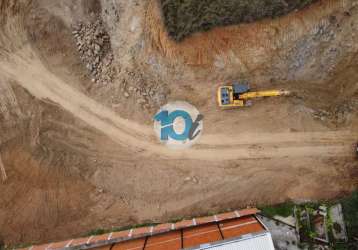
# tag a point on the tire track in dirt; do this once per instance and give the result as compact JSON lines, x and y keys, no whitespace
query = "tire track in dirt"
{"x":269,"y":138}
{"x":43,"y":84}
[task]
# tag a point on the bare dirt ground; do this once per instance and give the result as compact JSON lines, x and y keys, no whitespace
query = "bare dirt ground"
{"x":80,"y":154}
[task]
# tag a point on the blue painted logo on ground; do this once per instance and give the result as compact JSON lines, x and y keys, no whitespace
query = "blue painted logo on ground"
{"x":178,"y":124}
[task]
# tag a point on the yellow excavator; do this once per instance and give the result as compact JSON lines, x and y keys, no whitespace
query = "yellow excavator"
{"x":239,"y":95}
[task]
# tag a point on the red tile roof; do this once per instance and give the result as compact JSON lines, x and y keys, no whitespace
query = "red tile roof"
{"x":121,"y":235}
{"x":131,"y":244}
{"x":196,"y":236}
{"x":186,"y":233}
{"x":204,"y":220}
{"x":163,"y":228}
{"x":184,"y":224}
{"x":170,"y":240}
{"x":226,"y":216}
{"x":234,"y":228}
{"x":142,"y":231}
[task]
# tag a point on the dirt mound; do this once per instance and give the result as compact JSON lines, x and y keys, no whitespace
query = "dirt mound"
{"x":183,"y":18}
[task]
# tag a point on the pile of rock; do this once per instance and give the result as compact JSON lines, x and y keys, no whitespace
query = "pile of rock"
{"x":93,"y":44}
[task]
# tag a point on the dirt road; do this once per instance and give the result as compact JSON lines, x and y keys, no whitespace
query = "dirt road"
{"x":44,"y":85}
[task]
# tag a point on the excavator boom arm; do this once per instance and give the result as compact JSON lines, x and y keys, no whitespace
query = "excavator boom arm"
{"x":256,"y":94}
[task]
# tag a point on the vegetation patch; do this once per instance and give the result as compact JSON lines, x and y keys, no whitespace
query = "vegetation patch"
{"x":284,"y":210}
{"x":184,"y":17}
{"x":350,"y":211}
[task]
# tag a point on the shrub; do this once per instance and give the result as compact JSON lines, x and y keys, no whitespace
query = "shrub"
{"x":350,"y":211}
{"x":284,"y":210}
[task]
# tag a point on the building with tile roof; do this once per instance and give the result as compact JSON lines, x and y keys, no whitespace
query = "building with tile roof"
{"x":240,"y":230}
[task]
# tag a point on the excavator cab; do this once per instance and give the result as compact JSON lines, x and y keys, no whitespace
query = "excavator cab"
{"x":239,"y":89}
{"x":229,"y":96}
{"x":238,"y":94}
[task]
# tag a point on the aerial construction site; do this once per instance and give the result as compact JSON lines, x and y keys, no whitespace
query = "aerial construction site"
{"x":274,"y":85}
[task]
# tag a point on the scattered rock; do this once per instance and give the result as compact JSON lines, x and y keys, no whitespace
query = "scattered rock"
{"x":337,"y":114}
{"x":149,"y":93}
{"x":126,"y":94}
{"x":141,"y":101}
{"x":195,"y":180}
{"x":191,"y":179}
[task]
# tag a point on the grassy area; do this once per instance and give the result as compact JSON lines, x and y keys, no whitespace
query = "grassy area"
{"x":184,"y":17}
{"x":284,"y":210}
